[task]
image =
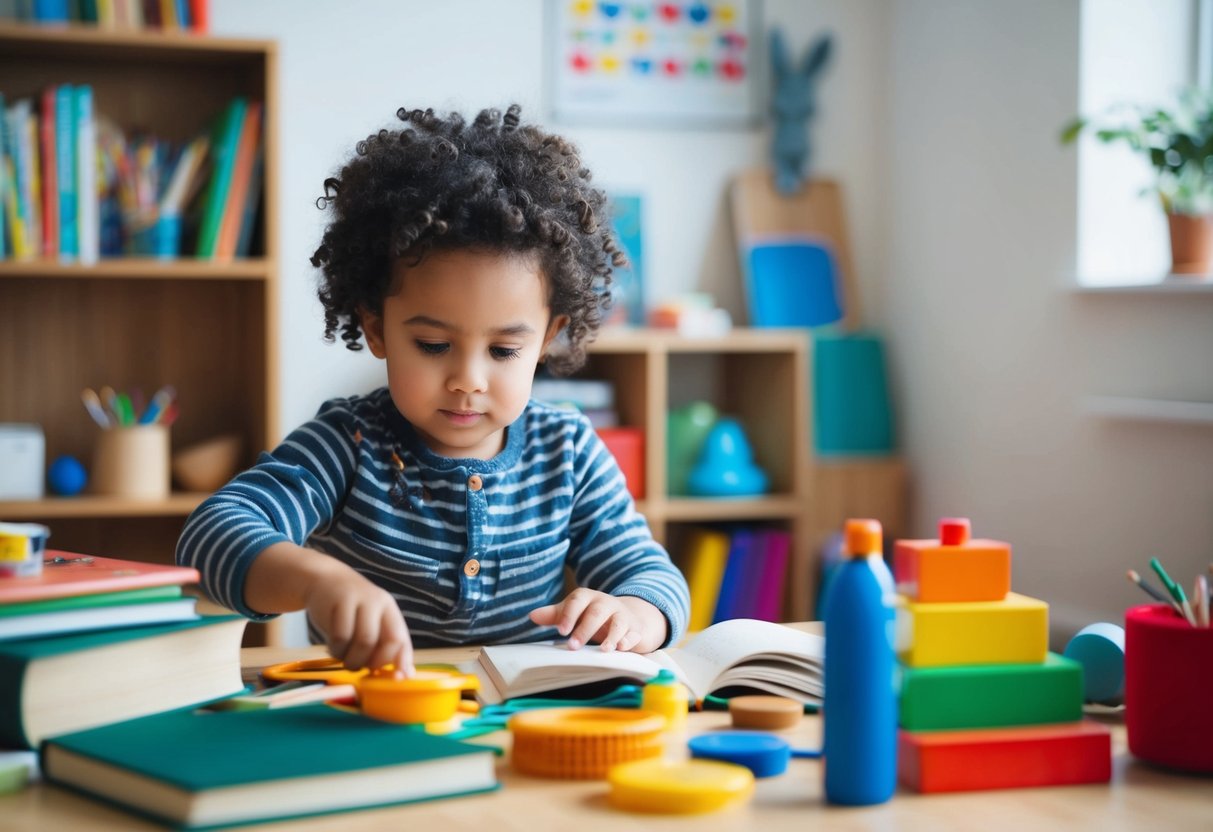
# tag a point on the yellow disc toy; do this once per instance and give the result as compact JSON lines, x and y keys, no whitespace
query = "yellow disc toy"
{"x":682,"y":788}
{"x":583,"y":743}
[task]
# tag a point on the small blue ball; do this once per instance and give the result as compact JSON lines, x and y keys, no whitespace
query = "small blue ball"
{"x":67,"y":476}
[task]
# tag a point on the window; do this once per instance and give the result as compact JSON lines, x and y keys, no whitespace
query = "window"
{"x":1131,"y":52}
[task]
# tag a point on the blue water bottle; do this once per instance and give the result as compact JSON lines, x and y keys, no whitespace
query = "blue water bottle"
{"x":860,"y":709}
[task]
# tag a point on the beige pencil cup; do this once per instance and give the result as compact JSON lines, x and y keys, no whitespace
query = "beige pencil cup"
{"x":132,"y":462}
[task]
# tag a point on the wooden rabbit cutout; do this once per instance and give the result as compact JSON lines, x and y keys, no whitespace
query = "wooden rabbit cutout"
{"x":793,"y":104}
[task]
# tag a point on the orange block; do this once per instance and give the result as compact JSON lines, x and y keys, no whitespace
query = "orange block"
{"x":1004,"y":758}
{"x":952,"y":568}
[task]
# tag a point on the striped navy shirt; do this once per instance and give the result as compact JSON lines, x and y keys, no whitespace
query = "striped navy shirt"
{"x":466,"y":546}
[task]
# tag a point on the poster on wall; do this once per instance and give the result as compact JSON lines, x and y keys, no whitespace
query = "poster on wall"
{"x":634,"y":62}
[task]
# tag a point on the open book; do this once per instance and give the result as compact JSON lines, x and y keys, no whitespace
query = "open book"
{"x":741,"y":652}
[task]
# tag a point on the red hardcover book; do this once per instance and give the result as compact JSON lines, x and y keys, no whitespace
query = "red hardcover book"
{"x":74,"y":574}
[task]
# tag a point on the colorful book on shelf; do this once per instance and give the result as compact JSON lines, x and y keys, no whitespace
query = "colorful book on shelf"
{"x":65,"y":172}
{"x":5,"y":180}
{"x":704,"y":558}
{"x":47,"y":241}
{"x":84,"y":575}
{"x":774,"y":546}
{"x":194,"y":770}
{"x":87,"y":214}
{"x":54,"y":685}
{"x":242,"y":174}
{"x":739,"y":653}
{"x":248,"y":220}
{"x":737,"y":583}
{"x":25,"y":240}
{"x":93,"y":618}
{"x":225,"y":142}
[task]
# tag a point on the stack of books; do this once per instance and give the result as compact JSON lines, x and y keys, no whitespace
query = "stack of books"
{"x":93,"y":640}
{"x":735,"y":573}
{"x":75,"y":188}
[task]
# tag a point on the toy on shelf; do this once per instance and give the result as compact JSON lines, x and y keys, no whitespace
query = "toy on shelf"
{"x":793,"y":105}
{"x":686,"y":429}
{"x":984,"y":704}
{"x":726,"y":464}
{"x":693,"y":315}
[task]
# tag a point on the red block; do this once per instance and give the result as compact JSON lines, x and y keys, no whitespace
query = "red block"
{"x":626,"y":444}
{"x":1004,"y":758}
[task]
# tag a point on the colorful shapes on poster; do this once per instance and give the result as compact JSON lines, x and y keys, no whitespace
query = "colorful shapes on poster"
{"x":642,"y":66}
{"x":671,"y":67}
{"x":725,"y":14}
{"x":731,"y":70}
{"x":580,"y":62}
{"x":609,"y":63}
{"x":702,"y":67}
{"x":610,"y":10}
{"x":698,"y":13}
{"x":733,"y":40}
{"x":640,"y":11}
{"x":641,"y":37}
{"x":669,"y":12}
{"x":581,"y":8}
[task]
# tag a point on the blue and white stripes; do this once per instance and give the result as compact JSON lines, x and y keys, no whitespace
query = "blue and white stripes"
{"x":467,"y":546}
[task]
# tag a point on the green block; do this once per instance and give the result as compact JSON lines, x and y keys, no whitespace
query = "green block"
{"x":992,"y":695}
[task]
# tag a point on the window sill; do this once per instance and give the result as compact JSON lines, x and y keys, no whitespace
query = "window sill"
{"x":1171,"y":284}
{"x":1166,"y":411}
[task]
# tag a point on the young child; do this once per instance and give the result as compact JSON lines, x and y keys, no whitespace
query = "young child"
{"x":443,"y":508}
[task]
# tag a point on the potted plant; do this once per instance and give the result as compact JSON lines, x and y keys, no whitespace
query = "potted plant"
{"x":1178,"y":142}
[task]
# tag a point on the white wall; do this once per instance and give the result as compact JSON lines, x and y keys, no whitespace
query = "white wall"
{"x":940,"y":118}
{"x":991,"y":348}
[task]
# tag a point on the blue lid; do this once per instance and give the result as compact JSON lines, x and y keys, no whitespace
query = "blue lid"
{"x":764,"y":754}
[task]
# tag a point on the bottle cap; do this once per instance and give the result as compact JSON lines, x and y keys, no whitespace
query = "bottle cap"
{"x":765,"y":755}
{"x":663,"y":677}
{"x":954,"y":531}
{"x":863,"y":537}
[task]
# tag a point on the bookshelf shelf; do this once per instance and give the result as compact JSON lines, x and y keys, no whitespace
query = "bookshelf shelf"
{"x":135,"y":268}
{"x":178,"y":504}
{"x":209,"y":328}
{"x":759,"y":376}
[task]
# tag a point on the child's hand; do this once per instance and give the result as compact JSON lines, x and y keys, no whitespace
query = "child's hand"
{"x":360,"y":621}
{"x":615,"y":622}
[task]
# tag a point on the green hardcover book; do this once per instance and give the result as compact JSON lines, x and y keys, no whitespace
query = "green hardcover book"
{"x":58,"y":684}
{"x":98,"y":599}
{"x":201,"y":769}
{"x":991,"y":696}
{"x":224,"y":143}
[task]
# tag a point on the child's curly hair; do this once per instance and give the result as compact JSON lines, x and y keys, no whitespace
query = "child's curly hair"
{"x":439,"y":184}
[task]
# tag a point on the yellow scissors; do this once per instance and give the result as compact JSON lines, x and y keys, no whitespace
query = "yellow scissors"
{"x":432,"y":694}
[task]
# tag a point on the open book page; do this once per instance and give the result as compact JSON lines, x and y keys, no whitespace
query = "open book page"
{"x":743,"y":652}
{"x":757,"y":654}
{"x":507,"y":671}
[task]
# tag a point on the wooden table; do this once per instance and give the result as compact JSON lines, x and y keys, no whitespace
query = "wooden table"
{"x":1138,"y":798}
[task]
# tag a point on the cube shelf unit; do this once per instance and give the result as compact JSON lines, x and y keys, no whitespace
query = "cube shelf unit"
{"x":759,"y":376}
{"x":208,"y":328}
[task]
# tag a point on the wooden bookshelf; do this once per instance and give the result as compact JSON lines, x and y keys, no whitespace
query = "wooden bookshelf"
{"x":209,"y":329}
{"x":761,"y":377}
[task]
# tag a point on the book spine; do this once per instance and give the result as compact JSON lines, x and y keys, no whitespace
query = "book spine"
{"x":5,"y":180}
{"x":65,"y":163}
{"x":242,"y":171}
{"x":244,"y":245}
{"x":199,"y":15}
{"x":49,"y":240}
{"x":227,"y":137}
{"x":18,"y":121}
{"x":733,"y":584}
{"x":87,"y":211}
{"x":12,"y":686}
{"x":775,"y":544}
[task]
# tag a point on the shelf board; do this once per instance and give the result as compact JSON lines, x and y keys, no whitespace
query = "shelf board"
{"x":1171,"y":284}
{"x":88,"y":506}
{"x":1150,"y":410}
{"x":76,"y":41}
{"x":139,"y":268}
{"x":708,"y":509}
{"x":626,"y":339}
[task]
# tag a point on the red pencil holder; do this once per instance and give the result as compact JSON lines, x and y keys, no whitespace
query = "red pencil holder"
{"x":1169,"y":688}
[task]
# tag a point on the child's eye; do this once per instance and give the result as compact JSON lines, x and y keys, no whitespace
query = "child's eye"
{"x":433,"y":347}
{"x":504,"y":353}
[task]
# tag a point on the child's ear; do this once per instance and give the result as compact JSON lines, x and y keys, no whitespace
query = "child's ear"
{"x":372,"y":330}
{"x":554,"y":326}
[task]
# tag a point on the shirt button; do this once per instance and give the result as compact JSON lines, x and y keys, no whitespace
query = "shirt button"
{"x":471,"y":568}
{"x":475,"y":483}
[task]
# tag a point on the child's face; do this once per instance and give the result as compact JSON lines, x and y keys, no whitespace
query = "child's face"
{"x":462,"y":337}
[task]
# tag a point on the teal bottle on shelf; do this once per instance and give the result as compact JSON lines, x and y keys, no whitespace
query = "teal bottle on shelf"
{"x":860,"y":708}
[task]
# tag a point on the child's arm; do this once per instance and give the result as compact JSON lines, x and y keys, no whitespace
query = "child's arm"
{"x":628,"y":587}
{"x":361,"y":622}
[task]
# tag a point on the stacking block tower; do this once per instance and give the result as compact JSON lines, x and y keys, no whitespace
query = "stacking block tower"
{"x":984,"y":705}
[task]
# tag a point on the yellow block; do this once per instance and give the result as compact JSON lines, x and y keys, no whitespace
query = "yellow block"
{"x":1014,"y":630}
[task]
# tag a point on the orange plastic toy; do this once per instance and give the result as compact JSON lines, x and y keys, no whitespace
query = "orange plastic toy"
{"x":952,"y":568}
